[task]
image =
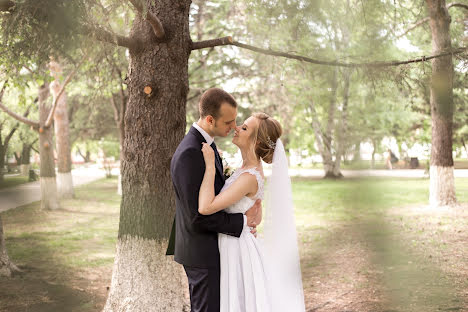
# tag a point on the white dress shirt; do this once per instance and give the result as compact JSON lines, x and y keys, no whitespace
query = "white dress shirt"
{"x":208,"y":138}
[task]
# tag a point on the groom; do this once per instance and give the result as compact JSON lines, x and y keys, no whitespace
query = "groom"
{"x":194,"y":237}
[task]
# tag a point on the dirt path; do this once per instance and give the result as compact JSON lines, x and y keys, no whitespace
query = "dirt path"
{"x":30,"y":192}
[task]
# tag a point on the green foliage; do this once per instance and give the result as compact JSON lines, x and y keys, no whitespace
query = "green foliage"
{"x":35,"y":30}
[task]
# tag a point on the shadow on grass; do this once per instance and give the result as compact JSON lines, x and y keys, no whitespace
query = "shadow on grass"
{"x":66,"y":255}
{"x":353,"y":260}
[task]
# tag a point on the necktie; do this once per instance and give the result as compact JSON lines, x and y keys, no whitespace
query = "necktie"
{"x":218,"y":158}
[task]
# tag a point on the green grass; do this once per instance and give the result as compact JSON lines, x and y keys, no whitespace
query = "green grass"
{"x":10,"y":181}
{"x":331,"y":216}
{"x":345,"y":200}
{"x":81,"y":234}
{"x":410,"y":249}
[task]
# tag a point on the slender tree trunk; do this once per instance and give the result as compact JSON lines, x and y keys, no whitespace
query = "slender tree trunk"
{"x":329,"y":165}
{"x":341,"y":141}
{"x":464,"y":145}
{"x":2,"y":161}
{"x":6,"y":266}
{"x":442,"y":182}
{"x":144,"y":278}
{"x":374,"y":144}
{"x":86,"y":156}
{"x":62,"y":140}
{"x":49,"y":198}
{"x":119,"y":122}
{"x":25,"y":159}
{"x":4,"y":148}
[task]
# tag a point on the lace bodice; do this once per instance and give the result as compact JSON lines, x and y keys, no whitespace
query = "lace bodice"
{"x":245,"y":203}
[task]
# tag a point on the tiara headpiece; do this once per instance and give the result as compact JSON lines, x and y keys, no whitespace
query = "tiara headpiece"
{"x":270,"y":143}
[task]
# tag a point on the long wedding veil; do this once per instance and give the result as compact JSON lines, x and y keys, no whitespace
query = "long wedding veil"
{"x":280,"y":239}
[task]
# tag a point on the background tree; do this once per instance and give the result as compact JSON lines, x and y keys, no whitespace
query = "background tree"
{"x":6,"y":266}
{"x":62,"y":135}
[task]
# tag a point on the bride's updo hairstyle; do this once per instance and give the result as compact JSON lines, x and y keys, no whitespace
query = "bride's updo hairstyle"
{"x":269,"y":130}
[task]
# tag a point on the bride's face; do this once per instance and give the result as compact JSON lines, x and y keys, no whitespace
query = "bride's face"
{"x":243,"y":134}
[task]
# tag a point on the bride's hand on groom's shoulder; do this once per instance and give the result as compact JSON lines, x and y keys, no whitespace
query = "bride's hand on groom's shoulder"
{"x":208,"y":155}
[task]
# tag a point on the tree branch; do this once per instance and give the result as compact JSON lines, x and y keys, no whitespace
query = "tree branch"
{"x":154,"y":21}
{"x":426,"y":19}
{"x":376,"y":64}
{"x":212,"y":43}
{"x":457,"y":4}
{"x":103,"y":35}
{"x":423,"y":21}
{"x":20,"y":118}
{"x":54,"y":105}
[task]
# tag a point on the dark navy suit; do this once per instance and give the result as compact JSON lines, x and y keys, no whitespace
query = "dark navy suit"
{"x":194,"y":237}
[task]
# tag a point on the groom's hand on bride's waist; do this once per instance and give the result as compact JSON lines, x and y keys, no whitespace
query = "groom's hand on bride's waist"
{"x":251,"y":215}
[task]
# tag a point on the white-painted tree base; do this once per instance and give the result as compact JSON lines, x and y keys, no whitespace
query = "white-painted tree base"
{"x":442,"y":187}
{"x":65,"y":185}
{"x":49,"y":198}
{"x":144,"y":279}
{"x":119,"y":185}
{"x":24,"y":170}
{"x":6,"y":266}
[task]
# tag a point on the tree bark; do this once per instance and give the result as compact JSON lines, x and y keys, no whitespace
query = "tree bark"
{"x":340,"y":136}
{"x":464,"y":145}
{"x":86,"y":156}
{"x":2,"y":161}
{"x":62,"y":140}
{"x":49,"y":198}
{"x":331,"y":170}
{"x":442,"y":182}
{"x":374,"y":145}
{"x":25,"y":159}
{"x":144,"y":278}
{"x":6,"y":266}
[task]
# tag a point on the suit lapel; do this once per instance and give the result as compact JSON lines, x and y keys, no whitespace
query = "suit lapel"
{"x":201,"y":139}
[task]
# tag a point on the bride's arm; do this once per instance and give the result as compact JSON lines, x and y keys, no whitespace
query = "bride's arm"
{"x":208,"y":203}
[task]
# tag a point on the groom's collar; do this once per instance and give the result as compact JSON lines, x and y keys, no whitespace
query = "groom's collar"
{"x":205,"y":135}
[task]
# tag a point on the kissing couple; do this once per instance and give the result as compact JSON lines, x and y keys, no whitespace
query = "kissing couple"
{"x":214,"y":231}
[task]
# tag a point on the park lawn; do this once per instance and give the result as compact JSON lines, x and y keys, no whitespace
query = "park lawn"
{"x":10,"y":181}
{"x":374,"y":245}
{"x":362,"y":243}
{"x":66,"y":255}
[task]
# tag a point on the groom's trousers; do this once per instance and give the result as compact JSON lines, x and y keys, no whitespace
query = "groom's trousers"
{"x":204,"y":288}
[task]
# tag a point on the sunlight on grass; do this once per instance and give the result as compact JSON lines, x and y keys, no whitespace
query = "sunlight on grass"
{"x":83,"y":233}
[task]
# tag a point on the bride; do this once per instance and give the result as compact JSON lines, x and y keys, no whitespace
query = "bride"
{"x":256,"y":277}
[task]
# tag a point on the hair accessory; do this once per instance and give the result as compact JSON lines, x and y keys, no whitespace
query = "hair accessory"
{"x":270,"y":143}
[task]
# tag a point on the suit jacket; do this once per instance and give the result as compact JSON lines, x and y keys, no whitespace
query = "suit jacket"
{"x":194,"y":237}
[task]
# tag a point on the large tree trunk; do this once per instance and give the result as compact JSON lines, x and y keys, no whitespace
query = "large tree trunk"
{"x":442,"y":182}
{"x":62,"y":140}
{"x":6,"y":266}
{"x":49,"y":198}
{"x":144,"y":278}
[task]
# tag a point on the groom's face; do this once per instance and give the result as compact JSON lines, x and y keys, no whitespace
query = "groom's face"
{"x":226,"y":121}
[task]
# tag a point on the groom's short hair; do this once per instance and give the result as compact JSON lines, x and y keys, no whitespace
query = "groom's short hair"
{"x":211,"y":100}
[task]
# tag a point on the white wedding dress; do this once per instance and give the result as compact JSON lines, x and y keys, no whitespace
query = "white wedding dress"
{"x":244,"y":286}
